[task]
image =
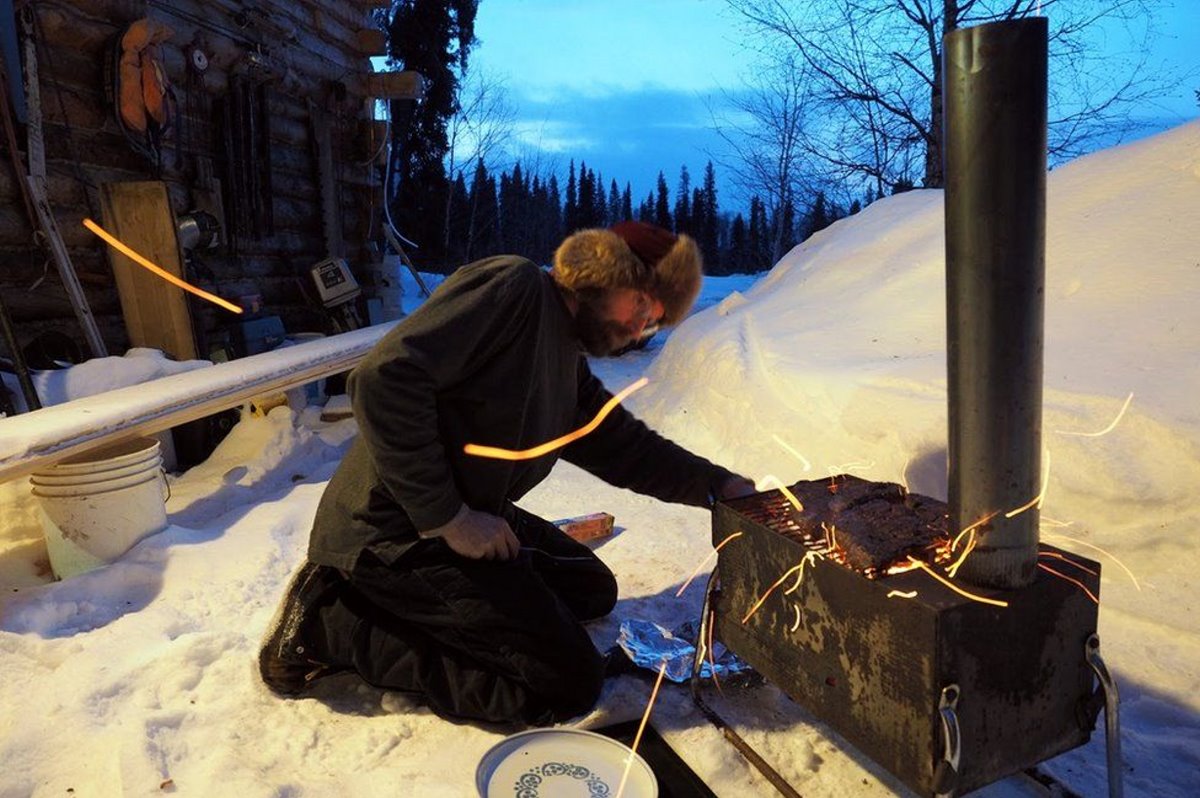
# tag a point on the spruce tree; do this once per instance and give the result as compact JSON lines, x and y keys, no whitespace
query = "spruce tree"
{"x":586,"y":212}
{"x":662,"y":205}
{"x":737,"y":260}
{"x":432,"y":37}
{"x":818,"y":215}
{"x":683,"y":203}
{"x":710,"y":221}
{"x":600,"y":203}
{"x":627,"y":203}
{"x":646,"y":209}
{"x":571,"y":208}
{"x":554,"y":212}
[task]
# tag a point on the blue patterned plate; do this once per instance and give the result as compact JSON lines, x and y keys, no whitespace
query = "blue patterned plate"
{"x":561,"y":763}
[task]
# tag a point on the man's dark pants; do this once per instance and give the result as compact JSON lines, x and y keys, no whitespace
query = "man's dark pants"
{"x":477,"y":639}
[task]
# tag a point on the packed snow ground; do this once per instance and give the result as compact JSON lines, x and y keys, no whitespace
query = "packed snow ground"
{"x":139,"y":678}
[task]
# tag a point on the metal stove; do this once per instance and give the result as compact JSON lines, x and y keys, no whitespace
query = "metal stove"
{"x":937,"y":638}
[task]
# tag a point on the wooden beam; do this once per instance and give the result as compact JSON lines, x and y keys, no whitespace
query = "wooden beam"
{"x":406,"y":85}
{"x":43,"y":437}
{"x":156,"y":312}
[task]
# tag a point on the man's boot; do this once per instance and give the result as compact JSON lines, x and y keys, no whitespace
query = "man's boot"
{"x":291,"y":656}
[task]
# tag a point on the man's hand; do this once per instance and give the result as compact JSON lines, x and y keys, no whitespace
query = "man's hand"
{"x":736,"y":487}
{"x":477,"y":536}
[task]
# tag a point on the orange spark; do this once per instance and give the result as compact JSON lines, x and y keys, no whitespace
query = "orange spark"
{"x":830,"y":539}
{"x":796,"y":625}
{"x":771,"y":589}
{"x":972,"y":528}
{"x":809,"y":558}
{"x":952,"y":570}
{"x":771,"y":479}
{"x":1036,"y":501}
{"x":1102,"y":551}
{"x":901,"y":594}
{"x":1073,"y":581}
{"x":711,"y":554}
{"x":140,"y":260}
{"x":1068,"y":561}
{"x":1107,"y":429}
{"x":955,"y":587}
{"x":796,"y":454}
{"x":641,"y":728}
{"x":537,"y":451}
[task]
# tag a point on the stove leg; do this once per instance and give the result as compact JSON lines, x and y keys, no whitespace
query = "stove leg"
{"x":752,"y":756}
{"x":1112,"y":717}
{"x":702,"y":631}
{"x":946,"y":776}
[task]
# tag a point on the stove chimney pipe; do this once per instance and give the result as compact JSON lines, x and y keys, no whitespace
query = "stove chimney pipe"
{"x":995,"y":204}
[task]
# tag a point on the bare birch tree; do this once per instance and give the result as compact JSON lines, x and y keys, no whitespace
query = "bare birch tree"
{"x":766,"y":128}
{"x":478,"y":131}
{"x":878,"y":63}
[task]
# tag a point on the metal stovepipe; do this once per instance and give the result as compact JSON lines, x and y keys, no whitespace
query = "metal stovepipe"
{"x":995,"y":201}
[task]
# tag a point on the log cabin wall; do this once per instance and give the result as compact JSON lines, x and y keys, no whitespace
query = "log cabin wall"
{"x":311,"y":56}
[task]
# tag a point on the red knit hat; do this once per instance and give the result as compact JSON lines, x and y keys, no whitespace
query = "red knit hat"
{"x":634,"y":255}
{"x":648,"y":241}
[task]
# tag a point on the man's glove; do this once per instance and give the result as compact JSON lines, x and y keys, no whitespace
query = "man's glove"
{"x":735,"y":487}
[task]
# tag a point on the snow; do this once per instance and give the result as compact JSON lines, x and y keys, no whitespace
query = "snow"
{"x":140,"y":677}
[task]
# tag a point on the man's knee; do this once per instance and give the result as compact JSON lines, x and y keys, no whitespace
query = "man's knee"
{"x":574,"y":690}
{"x":602,"y":599}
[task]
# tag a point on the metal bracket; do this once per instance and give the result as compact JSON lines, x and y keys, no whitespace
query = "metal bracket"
{"x":946,"y":777}
{"x":1112,"y":716}
{"x":713,"y":717}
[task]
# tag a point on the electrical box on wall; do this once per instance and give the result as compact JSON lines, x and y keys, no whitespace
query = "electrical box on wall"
{"x":334,"y":283}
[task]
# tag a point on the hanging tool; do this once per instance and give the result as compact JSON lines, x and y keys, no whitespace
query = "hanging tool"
{"x":323,"y":151}
{"x":18,"y":358}
{"x":246,"y":130}
{"x":36,"y":181}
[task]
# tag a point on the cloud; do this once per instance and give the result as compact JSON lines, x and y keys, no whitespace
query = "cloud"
{"x":629,"y":135}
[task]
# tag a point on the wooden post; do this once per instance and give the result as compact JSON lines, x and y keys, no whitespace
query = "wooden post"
{"x":156,"y":312}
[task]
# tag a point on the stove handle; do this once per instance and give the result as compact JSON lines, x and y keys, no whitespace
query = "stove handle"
{"x":945,"y":778}
{"x":1112,"y":717}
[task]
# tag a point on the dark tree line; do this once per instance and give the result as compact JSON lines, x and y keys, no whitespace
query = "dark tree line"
{"x":527,"y":214}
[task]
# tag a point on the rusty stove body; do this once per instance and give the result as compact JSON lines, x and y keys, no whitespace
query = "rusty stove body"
{"x":878,"y":666}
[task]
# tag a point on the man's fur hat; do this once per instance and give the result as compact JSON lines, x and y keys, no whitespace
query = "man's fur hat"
{"x":634,"y":255}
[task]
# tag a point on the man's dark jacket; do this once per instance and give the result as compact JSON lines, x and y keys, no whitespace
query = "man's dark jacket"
{"x":491,"y":358}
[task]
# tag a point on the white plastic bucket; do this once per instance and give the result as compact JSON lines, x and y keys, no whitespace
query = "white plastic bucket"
{"x":95,"y":507}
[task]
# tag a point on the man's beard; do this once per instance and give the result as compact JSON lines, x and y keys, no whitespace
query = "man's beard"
{"x":600,"y":337}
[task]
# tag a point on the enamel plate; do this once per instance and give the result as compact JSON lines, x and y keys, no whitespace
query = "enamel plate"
{"x":561,"y":763}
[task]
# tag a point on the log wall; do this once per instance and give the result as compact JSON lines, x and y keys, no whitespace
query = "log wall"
{"x":312,"y":55}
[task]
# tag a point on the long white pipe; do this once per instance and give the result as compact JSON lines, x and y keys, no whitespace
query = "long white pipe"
{"x":31,"y":441}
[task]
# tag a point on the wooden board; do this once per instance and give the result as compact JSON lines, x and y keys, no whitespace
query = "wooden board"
{"x":156,"y":312}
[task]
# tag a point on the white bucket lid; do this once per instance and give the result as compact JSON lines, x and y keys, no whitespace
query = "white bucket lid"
{"x":117,"y":455}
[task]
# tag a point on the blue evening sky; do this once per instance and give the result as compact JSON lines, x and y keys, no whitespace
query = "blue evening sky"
{"x":626,"y":85}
